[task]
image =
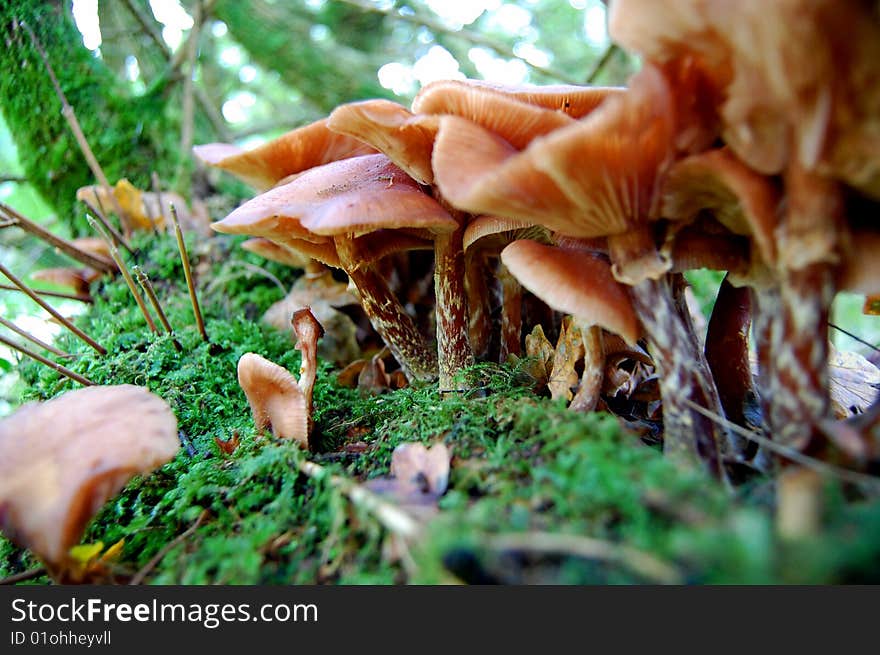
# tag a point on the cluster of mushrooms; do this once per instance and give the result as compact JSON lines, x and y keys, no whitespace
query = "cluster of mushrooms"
{"x":749,"y":142}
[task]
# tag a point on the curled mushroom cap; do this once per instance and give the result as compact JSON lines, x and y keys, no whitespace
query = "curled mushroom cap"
{"x":575,"y":282}
{"x":63,"y":459}
{"x":275,"y":398}
{"x":514,"y":120}
{"x":293,"y":152}
{"x":575,"y":101}
{"x":276,"y":252}
{"x":353,"y":196}
{"x":627,"y":142}
{"x":391,"y":129}
{"x":744,"y":201}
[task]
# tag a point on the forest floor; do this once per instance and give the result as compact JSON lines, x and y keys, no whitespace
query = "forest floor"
{"x":536,"y":494}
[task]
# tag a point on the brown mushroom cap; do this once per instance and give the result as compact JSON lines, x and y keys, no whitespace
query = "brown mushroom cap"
{"x":575,"y":282}
{"x":496,"y":232}
{"x":275,"y":398}
{"x":391,"y":129}
{"x":349,"y":197}
{"x":575,"y":101}
{"x":275,"y":252}
{"x":64,"y":458}
{"x":515,"y":121}
{"x":298,"y":150}
{"x":744,"y":201}
{"x":627,"y":142}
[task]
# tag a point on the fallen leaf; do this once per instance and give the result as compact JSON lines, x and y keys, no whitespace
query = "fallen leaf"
{"x":427,"y":468}
{"x":539,"y":348}
{"x":569,"y":349}
{"x":228,"y":446}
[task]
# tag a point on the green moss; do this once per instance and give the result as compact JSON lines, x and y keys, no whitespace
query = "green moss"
{"x":523,"y":463}
{"x":129,"y":135}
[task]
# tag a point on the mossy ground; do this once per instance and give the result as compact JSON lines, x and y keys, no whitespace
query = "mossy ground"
{"x":522,"y":463}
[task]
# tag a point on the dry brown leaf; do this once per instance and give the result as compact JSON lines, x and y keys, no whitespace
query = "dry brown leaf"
{"x":427,"y":468}
{"x":854,"y":383}
{"x":569,"y":349}
{"x":539,"y":348}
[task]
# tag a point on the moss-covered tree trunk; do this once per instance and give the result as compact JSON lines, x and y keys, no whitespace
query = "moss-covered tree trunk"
{"x":129,"y":136}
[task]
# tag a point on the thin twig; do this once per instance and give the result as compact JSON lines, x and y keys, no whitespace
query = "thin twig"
{"x":52,"y":294}
{"x":603,"y":60}
{"x":147,"y":286}
{"x":102,"y":219}
{"x":42,"y":303}
{"x":853,"y":336}
{"x":27,"y":335}
{"x":476,"y":38}
{"x":644,"y":564}
{"x":66,"y":372}
{"x":68,"y":248}
{"x":181,"y":246}
{"x":70,"y":116}
{"x":126,"y":275}
{"x":12,"y":178}
{"x":788,"y":452}
{"x":138,"y":577}
{"x":24,"y":576}
{"x":390,"y":516}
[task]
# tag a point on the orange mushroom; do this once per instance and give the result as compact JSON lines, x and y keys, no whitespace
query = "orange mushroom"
{"x":349,"y":202}
{"x":275,"y":398}
{"x":293,"y":152}
{"x":556,"y":275}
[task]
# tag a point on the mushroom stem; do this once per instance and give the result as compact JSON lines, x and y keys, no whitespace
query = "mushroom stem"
{"x":688,"y":436}
{"x":809,"y":241}
{"x":727,"y":350}
{"x":453,"y":347}
{"x":587,"y":396}
{"x":511,"y":314}
{"x":393,"y":324}
{"x":479,"y":310}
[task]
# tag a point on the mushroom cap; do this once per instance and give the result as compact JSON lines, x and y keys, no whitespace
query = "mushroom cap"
{"x":860,"y":269}
{"x":494,"y":232}
{"x":64,"y":458}
{"x":293,"y":152}
{"x":793,"y":79}
{"x":694,"y":247}
{"x":574,"y":282}
{"x":274,"y":397}
{"x":627,"y":141}
{"x":391,"y":129}
{"x":744,"y":201}
{"x":349,"y":197}
{"x":515,"y":121}
{"x":575,"y":101}
{"x":276,"y":252}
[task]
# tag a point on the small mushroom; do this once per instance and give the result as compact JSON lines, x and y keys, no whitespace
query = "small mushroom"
{"x":64,"y":458}
{"x":308,"y":331}
{"x":275,"y":398}
{"x":557,"y":275}
{"x":484,"y":238}
{"x":366,"y":207}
